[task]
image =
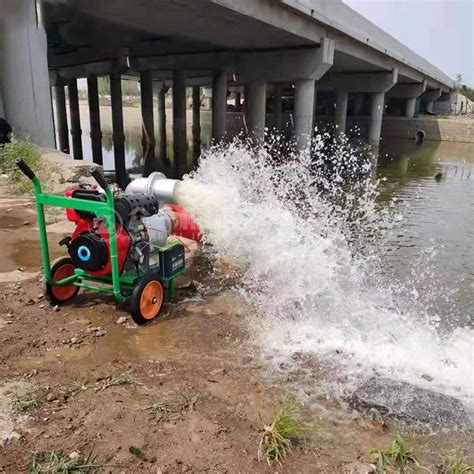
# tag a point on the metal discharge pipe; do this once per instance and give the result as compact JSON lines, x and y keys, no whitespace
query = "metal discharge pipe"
{"x":157,"y":185}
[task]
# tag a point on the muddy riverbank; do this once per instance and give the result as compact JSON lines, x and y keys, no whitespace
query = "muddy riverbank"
{"x":60,"y":373}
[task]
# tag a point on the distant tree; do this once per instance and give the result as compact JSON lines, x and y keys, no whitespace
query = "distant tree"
{"x":467,"y":91}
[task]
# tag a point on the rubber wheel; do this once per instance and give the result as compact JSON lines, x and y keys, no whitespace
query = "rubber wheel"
{"x":60,"y":295}
{"x":147,"y":299}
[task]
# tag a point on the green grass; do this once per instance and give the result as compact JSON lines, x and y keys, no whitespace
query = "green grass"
{"x":398,"y":458}
{"x":453,"y":463}
{"x":28,"y":152}
{"x":51,"y":462}
{"x":73,"y":387}
{"x":286,"y":430}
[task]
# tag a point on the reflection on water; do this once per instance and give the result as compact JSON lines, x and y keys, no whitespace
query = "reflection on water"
{"x":433,"y":184}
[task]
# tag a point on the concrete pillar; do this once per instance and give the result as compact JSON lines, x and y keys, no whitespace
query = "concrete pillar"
{"x":278,"y":108}
{"x":219,"y":105}
{"x":75,"y":116}
{"x":256,"y":100}
{"x":430,"y":97}
{"x":118,"y":135}
{"x":304,"y":106}
{"x":162,"y":89}
{"x":410,"y":107}
{"x":24,"y":72}
{"x":196,"y":123}
{"x":94,"y":118}
{"x":376,"y":116}
{"x":237,"y":99}
{"x":315,"y":108}
{"x":148,"y":124}
{"x":358,"y":104}
{"x":179,"y":123}
{"x":61,"y":118}
{"x":342,"y":98}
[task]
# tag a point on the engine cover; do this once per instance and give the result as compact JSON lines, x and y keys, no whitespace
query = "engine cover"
{"x":89,"y":251}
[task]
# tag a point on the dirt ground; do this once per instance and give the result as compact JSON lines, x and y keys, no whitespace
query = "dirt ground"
{"x":186,"y":393}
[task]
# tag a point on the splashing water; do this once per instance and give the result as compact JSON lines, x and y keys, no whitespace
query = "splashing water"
{"x":310,"y":234}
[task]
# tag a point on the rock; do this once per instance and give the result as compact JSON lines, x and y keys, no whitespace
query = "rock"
{"x":74,"y":456}
{"x":50,"y":397}
{"x":100,"y":333}
{"x":74,"y":340}
{"x":121,"y":320}
{"x":56,"y":308}
{"x":405,"y":401}
{"x":358,"y":468}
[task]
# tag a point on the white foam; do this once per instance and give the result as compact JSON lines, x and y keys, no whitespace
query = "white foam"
{"x":312,"y":250}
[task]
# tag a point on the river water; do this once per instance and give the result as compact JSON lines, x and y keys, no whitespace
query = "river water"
{"x":400,"y":302}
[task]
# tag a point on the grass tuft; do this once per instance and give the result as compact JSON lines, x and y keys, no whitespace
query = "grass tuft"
{"x":283,"y":433}
{"x":73,"y":387}
{"x":453,"y":463}
{"x":51,"y":462}
{"x":397,"y":458}
{"x":29,"y":153}
{"x":26,"y":401}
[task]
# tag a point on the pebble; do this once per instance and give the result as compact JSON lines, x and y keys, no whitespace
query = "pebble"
{"x":74,"y":456}
{"x":121,"y":320}
{"x":100,"y":333}
{"x":358,"y":468}
{"x":56,"y":308}
{"x":50,"y":397}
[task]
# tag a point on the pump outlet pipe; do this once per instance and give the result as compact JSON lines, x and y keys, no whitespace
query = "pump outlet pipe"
{"x":157,"y":185}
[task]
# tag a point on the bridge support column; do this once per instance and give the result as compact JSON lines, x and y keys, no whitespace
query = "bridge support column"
{"x":278,"y":108}
{"x":410,"y":92}
{"x":161,"y":90}
{"x":196,"y":123}
{"x":25,"y":80}
{"x":238,"y":99}
{"x":304,"y":107}
{"x":148,"y":124}
{"x":342,"y":98}
{"x":376,"y":116}
{"x":118,"y":135}
{"x":219,"y":105}
{"x":94,"y":119}
{"x":256,"y":100}
{"x":75,"y":115}
{"x":61,"y":117}
{"x":430,"y":97}
{"x":315,"y":109}
{"x":179,"y":123}
{"x":410,"y":107}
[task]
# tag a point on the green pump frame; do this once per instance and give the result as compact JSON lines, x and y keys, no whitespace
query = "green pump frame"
{"x":121,"y":286}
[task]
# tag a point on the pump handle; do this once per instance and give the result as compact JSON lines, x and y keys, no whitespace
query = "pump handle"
{"x":99,"y":177}
{"x":25,"y":168}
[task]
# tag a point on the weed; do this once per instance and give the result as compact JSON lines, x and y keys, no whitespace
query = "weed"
{"x":26,"y":401}
{"x":73,"y":387}
{"x":126,"y":378}
{"x":137,"y":452}
{"x":55,"y":463}
{"x":28,"y":152}
{"x":398,"y":458}
{"x":286,"y":429}
{"x":453,"y":463}
{"x":172,"y":410}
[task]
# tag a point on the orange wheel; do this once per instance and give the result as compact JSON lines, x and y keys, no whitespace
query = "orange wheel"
{"x":58,"y":295}
{"x":147,"y":299}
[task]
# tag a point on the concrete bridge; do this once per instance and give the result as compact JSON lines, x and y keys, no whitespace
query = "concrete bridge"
{"x":261,"y":50}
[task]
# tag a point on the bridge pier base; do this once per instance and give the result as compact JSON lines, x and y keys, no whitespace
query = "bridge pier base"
{"x":278,"y":108}
{"x":196,"y":123}
{"x":61,"y":117}
{"x":179,"y":123}
{"x":410,"y":107}
{"x":304,"y":108}
{"x":342,"y":99}
{"x":376,"y":116}
{"x":161,"y":90}
{"x":219,"y":105}
{"x":256,"y":101}
{"x":75,"y":115}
